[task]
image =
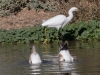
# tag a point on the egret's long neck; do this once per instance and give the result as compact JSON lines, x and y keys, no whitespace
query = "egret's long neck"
{"x":70,"y":13}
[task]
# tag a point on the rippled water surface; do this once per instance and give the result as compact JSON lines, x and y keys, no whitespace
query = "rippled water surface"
{"x":14,"y":59}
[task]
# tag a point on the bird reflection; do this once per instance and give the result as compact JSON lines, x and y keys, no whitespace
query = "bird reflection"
{"x":35,"y":69}
{"x":66,"y":68}
{"x":63,"y":66}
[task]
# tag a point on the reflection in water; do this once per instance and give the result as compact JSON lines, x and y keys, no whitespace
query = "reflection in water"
{"x":66,"y":68}
{"x":35,"y":69}
{"x":14,"y":60}
{"x":63,"y":66}
{"x":54,"y":67}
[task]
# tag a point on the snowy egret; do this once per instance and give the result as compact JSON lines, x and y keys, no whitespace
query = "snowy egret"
{"x":34,"y":57}
{"x":59,"y":21}
{"x":64,"y":54}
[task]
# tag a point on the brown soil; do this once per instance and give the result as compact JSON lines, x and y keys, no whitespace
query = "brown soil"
{"x":25,"y":18}
{"x":90,"y":10}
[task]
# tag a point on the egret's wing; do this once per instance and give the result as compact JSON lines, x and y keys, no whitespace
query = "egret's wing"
{"x":55,"y":21}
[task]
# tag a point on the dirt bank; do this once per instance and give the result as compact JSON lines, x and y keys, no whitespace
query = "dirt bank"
{"x":25,"y":18}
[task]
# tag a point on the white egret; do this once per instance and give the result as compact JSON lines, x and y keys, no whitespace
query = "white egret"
{"x":64,"y":54}
{"x":34,"y":57}
{"x":59,"y":21}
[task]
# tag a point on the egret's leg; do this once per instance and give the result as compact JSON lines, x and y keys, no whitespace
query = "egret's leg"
{"x":44,"y":43}
{"x":45,"y":30}
{"x":46,"y":36}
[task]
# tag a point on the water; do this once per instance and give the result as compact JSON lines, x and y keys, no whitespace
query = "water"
{"x":14,"y":59}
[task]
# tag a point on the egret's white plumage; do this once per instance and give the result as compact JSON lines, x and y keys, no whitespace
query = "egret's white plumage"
{"x":34,"y":56}
{"x":64,"y":54}
{"x":60,"y":20}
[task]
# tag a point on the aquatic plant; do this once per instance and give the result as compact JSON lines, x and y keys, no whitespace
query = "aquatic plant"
{"x":78,"y":31}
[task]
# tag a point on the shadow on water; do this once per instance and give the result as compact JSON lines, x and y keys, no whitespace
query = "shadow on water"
{"x":14,"y":59}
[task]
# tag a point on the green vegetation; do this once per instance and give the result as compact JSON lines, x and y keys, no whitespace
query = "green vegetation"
{"x":11,"y":6}
{"x":8,"y":7}
{"x":78,"y":31}
{"x":49,"y":5}
{"x":82,"y":31}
